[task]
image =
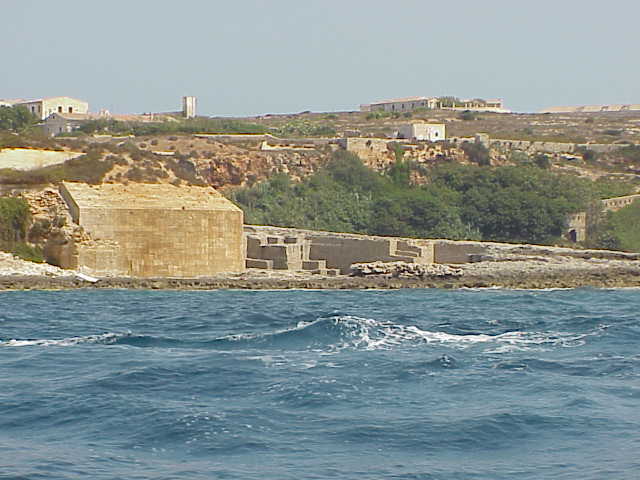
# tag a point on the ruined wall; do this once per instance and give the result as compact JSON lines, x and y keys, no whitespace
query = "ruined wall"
{"x":294,"y":249}
{"x":370,"y":150}
{"x":448,"y":251}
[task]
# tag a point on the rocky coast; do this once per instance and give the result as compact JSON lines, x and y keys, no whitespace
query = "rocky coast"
{"x":524,"y":267}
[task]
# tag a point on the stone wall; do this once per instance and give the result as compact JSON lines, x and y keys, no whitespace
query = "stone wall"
{"x":541,"y":147}
{"x":449,"y":251}
{"x":327,"y":252}
{"x":151,"y":231}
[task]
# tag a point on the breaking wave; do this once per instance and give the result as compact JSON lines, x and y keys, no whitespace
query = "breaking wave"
{"x":330,"y":334}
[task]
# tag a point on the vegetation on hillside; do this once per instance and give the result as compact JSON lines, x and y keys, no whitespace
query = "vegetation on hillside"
{"x":513,"y":204}
{"x":192,"y":125}
{"x":15,"y":218}
{"x":16,"y":119}
{"x":617,"y":230}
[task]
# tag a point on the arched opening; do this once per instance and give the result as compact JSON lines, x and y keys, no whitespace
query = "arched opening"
{"x":573,"y":235}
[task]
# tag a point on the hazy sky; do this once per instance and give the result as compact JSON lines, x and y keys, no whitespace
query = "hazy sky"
{"x":253,"y":57}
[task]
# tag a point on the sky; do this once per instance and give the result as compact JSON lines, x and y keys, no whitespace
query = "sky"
{"x":254,"y":57}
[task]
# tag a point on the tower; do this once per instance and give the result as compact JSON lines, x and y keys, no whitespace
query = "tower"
{"x":188,"y":107}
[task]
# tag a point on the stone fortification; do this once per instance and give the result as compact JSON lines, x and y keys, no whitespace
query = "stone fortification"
{"x":146,"y":230}
{"x":327,"y":252}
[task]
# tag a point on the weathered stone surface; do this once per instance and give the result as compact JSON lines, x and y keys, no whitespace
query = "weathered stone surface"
{"x":404,"y":270}
{"x":146,"y":230}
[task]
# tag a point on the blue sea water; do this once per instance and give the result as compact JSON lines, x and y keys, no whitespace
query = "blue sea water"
{"x":417,"y":384}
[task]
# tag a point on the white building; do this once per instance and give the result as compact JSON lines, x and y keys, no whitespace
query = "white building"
{"x":432,"y":132}
{"x":43,"y":107}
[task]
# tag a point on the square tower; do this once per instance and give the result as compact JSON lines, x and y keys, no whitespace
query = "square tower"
{"x":188,"y":107}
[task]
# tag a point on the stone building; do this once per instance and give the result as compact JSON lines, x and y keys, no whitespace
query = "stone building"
{"x":58,"y":123}
{"x":422,"y":131}
{"x":407,"y":104}
{"x":43,"y":107}
{"x":146,"y":230}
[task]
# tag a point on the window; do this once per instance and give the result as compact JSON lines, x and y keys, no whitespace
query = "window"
{"x":70,"y":109}
{"x":59,"y":109}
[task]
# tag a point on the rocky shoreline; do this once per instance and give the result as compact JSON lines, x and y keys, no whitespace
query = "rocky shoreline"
{"x":627,"y":274}
{"x":505,"y":266}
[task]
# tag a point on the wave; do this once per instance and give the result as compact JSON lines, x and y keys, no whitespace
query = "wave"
{"x":103,"y":339}
{"x":329,"y":334}
{"x":351,"y":332}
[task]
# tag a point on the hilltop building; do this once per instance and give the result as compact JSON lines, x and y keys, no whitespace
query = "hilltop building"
{"x":409,"y":104}
{"x":432,"y":132}
{"x":43,"y":107}
{"x":148,"y":230}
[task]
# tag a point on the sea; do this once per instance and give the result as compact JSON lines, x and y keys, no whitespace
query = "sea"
{"x":403,"y":384}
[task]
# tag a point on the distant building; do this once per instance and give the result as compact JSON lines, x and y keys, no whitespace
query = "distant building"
{"x":594,"y":108}
{"x":478,"y":105}
{"x":407,"y":104}
{"x":422,"y":131}
{"x":43,"y":107}
{"x":189,"y":107}
{"x":58,"y":123}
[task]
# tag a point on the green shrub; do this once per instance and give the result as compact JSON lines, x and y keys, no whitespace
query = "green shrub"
{"x":14,"y":220}
{"x":468,"y":115}
{"x":28,"y":252}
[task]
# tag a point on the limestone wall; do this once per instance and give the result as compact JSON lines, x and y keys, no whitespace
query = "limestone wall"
{"x":151,"y":231}
{"x":447,"y":251}
{"x":294,"y":249}
{"x":542,"y":147}
{"x":157,"y":242}
{"x":29,"y":159}
{"x":368,"y":149}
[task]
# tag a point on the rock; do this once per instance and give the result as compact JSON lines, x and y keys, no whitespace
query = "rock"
{"x":12,"y":265}
{"x":404,"y":270}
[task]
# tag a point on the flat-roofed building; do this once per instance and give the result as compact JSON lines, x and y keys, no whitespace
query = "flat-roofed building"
{"x":407,"y":104}
{"x":43,"y":107}
{"x":432,"y":132}
{"x":149,"y":230}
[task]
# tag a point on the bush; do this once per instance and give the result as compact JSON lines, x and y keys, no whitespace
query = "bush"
{"x":542,"y":161}
{"x":16,"y":118}
{"x":28,"y":252}
{"x":468,"y":115}
{"x":14,"y":220}
{"x":477,"y":153}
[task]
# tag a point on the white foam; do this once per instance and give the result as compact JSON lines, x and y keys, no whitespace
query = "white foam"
{"x":105,"y":338}
{"x":368,"y":334}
